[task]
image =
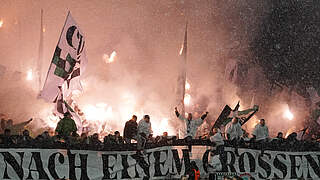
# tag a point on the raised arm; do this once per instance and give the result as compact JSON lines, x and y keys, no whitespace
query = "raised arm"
{"x":201,"y":119}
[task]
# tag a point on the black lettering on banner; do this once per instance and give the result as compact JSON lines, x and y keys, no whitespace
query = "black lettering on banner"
{"x":39,"y":166}
{"x":264,"y":165}
{"x":52,"y":165}
{"x":205,"y":160}
{"x":9,"y":159}
{"x":142,"y":163}
{"x":185,"y":158}
{"x":105,"y":163}
{"x":125,"y":165}
{"x":252,"y":162}
{"x":224,"y":162}
{"x":294,"y":166}
{"x":157,"y":166}
{"x":313,"y":164}
{"x":280,"y":165}
{"x":72,"y":166}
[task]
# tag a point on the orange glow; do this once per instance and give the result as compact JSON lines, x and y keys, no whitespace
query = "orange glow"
{"x":187,"y":99}
{"x":288,"y":114}
{"x":29,"y":75}
{"x":160,"y":127}
{"x":181,"y":50}
{"x":1,"y":23}
{"x":109,"y":59}
{"x":98,"y":115}
{"x":187,"y":85}
{"x":291,"y":130}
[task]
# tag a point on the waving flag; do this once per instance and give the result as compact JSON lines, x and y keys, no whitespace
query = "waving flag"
{"x":62,"y":107}
{"x":67,"y":63}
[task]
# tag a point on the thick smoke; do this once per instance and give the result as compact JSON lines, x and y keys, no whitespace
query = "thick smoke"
{"x":147,"y":36}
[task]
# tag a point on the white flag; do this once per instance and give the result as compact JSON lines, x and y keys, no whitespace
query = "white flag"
{"x":66,"y":65}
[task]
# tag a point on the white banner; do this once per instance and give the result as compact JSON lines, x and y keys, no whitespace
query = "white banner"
{"x":159,"y":163}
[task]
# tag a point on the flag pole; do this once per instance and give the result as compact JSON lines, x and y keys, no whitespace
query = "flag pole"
{"x":184,"y":60}
{"x":40,"y":53}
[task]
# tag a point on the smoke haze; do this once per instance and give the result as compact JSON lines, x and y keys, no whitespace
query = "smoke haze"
{"x":147,"y":37}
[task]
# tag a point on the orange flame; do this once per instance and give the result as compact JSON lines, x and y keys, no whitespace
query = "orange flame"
{"x":109,"y":59}
{"x":188,"y":86}
{"x":291,"y":130}
{"x":181,"y":50}
{"x":1,"y":23}
{"x":187,"y":99}
{"x":29,"y":75}
{"x":287,"y":113}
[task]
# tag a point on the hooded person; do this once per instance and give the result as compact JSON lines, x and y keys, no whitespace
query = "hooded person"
{"x":66,"y":126}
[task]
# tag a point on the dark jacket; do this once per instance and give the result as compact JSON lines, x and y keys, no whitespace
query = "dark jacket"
{"x":7,"y":140}
{"x":130,"y":129}
{"x":25,"y":140}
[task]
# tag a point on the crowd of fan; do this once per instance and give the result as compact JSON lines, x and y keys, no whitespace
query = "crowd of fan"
{"x":65,"y":136}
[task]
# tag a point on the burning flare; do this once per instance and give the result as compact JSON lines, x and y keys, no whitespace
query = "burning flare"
{"x":110,"y":59}
{"x":1,"y":23}
{"x":181,"y":50}
{"x":98,"y":116}
{"x":187,"y":85}
{"x":187,"y":99}
{"x":288,"y":114}
{"x":29,"y":75}
{"x":289,"y":131}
